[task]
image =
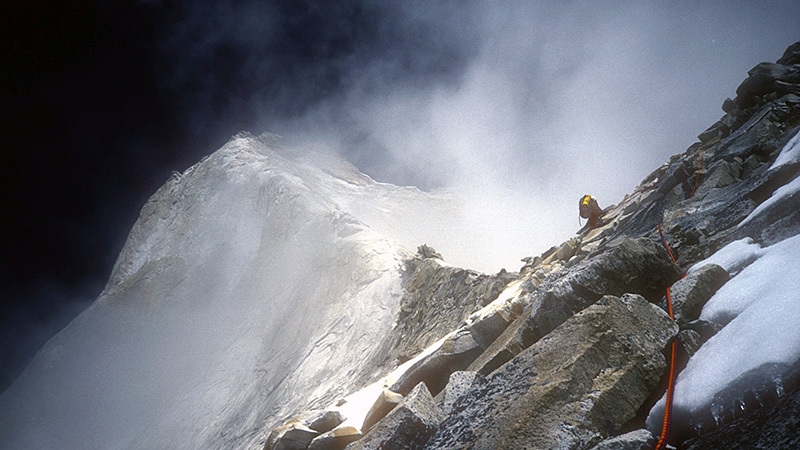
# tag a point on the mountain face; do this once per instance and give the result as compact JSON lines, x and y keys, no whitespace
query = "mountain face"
{"x":269,"y":299}
{"x":246,"y":280}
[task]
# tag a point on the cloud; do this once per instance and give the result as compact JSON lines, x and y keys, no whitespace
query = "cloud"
{"x":519,"y":107}
{"x":555,"y":101}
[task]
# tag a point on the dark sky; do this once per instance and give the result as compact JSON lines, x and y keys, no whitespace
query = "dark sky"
{"x":102,"y":100}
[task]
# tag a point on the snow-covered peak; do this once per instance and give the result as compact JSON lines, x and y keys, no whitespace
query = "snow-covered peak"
{"x":247,"y":283}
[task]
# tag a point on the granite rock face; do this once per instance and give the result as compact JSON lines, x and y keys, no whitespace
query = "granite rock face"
{"x":572,"y":388}
{"x":436,"y":299}
{"x":635,"y":440}
{"x":638,"y":266}
{"x":336,"y":439}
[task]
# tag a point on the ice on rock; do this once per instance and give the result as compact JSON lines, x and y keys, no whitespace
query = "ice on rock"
{"x":760,"y":307}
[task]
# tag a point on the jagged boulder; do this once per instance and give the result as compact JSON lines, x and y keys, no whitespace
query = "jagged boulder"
{"x":721,"y":174}
{"x":488,"y":323}
{"x":383,"y":405}
{"x":301,"y":429}
{"x":574,"y":387}
{"x":291,"y":436}
{"x":691,"y":293}
{"x":456,"y":353}
{"x":408,"y":426}
{"x":336,"y":439}
{"x":690,"y":340}
{"x":758,"y":134}
{"x":626,"y":265}
{"x":459,"y":384}
{"x":763,"y":79}
{"x":513,"y":340}
{"x":638,"y":266}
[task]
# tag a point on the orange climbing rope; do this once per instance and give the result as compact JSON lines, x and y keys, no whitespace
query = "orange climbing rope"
{"x":662,"y":440}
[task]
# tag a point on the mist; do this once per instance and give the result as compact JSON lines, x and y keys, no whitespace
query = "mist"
{"x":535,"y":106}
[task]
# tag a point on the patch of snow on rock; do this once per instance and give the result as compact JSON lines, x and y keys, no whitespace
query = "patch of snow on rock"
{"x":733,"y":257}
{"x":777,"y":197}
{"x":789,"y":153}
{"x":760,"y":306}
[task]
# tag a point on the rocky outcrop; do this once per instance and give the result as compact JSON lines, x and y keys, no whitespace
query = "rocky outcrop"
{"x":574,"y":387}
{"x":625,"y":265}
{"x":385,"y":403}
{"x":459,"y":384}
{"x":437,"y":298}
{"x":513,"y":340}
{"x":456,"y":353}
{"x":298,"y":432}
{"x":336,"y":439}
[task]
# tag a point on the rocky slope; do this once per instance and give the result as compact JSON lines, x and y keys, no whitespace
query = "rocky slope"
{"x":574,"y":352}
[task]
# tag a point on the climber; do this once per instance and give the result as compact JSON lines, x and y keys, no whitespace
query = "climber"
{"x":589,"y":209}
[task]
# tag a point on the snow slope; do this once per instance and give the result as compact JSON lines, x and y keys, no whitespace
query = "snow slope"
{"x":250,"y":286}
